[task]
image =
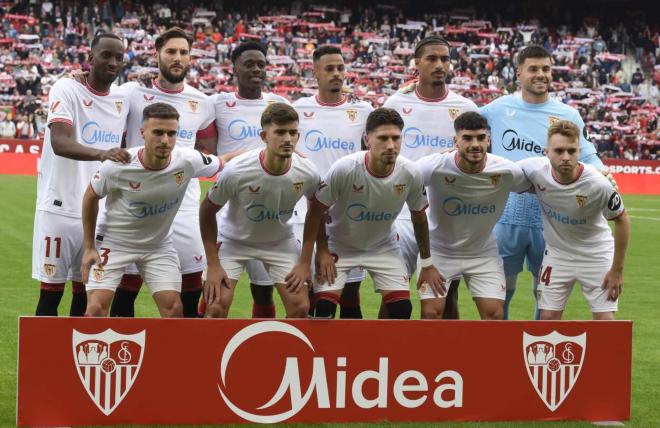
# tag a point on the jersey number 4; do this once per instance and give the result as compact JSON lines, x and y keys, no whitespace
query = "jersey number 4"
{"x":545,"y":275}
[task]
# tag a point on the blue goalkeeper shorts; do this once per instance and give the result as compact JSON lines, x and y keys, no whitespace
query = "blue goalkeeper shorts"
{"x":517,"y":243}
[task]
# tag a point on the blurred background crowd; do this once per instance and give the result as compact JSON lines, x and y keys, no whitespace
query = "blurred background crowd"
{"x":606,"y":53}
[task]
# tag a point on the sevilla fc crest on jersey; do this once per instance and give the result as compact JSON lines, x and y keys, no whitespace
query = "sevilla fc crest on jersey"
{"x":193,"y":105}
{"x":399,"y":189}
{"x":118,"y":105}
{"x":552,"y":120}
{"x":298,"y":187}
{"x":352,"y":114}
{"x":108,"y":364}
{"x":178,"y":177}
{"x":454,"y":113}
{"x":495,"y":179}
{"x":581,"y":200}
{"x":553,"y":364}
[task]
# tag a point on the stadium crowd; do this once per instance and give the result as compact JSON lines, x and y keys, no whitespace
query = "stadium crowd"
{"x":41,"y":41}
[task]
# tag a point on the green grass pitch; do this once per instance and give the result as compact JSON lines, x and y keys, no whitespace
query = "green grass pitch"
{"x":640,"y":302}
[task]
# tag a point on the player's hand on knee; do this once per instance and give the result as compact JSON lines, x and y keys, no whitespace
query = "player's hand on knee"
{"x":79,"y":76}
{"x":116,"y":154}
{"x":90,"y":257}
{"x":298,"y":278}
{"x":431,"y":276}
{"x":613,"y":283}
{"x":216,"y":277}
{"x":326,"y":268}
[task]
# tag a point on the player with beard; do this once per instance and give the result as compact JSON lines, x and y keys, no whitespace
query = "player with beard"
{"x":428,"y":108}
{"x":85,"y":126}
{"x":195,"y":129}
{"x":331,"y":127}
{"x":519,"y":124}
{"x":238,"y":123}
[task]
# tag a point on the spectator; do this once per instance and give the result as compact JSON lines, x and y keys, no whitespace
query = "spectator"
{"x":7,"y":127}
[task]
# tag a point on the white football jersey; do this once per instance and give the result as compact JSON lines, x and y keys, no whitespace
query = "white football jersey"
{"x":141,"y":203}
{"x":258,"y":204}
{"x":428,"y":123}
{"x":196,"y":113}
{"x":464,"y":207}
{"x":239,"y":120}
{"x":328,"y":132}
{"x":575,"y":215}
{"x":98,"y":121}
{"x":363,"y":206}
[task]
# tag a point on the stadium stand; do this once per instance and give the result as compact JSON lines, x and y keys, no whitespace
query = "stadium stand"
{"x":606,"y":70}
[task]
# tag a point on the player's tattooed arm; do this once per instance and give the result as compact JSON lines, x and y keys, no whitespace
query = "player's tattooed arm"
{"x":613,"y":281}
{"x":216,"y":277}
{"x":428,"y":274}
{"x":90,"y":210}
{"x":64,"y":144}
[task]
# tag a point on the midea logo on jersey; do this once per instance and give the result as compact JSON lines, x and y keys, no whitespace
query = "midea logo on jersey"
{"x":359,"y":212}
{"x":414,"y":138}
{"x":260,"y":212}
{"x":185,"y":134}
{"x":92,"y":134}
{"x":299,"y":395}
{"x":455,"y":206}
{"x":146,"y":209}
{"x":561,"y":218}
{"x":240,"y":130}
{"x":516,"y":143}
{"x":315,"y":141}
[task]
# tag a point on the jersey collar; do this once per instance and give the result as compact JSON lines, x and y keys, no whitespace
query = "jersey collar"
{"x":167,"y":91}
{"x":481,"y":168}
{"x":431,"y":100}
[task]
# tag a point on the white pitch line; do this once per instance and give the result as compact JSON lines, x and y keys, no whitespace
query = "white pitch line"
{"x":645,"y":218}
{"x":642,"y":209}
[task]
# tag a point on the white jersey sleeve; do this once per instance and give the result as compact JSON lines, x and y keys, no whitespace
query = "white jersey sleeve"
{"x":203,"y":165}
{"x":331,"y":186}
{"x":225,"y":186}
{"x":60,"y":104}
{"x":103,"y":179}
{"x":416,"y":200}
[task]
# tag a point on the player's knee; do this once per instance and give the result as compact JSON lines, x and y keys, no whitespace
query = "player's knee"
{"x":326,"y":305}
{"x":550,"y":315}
{"x":298,"y":309}
{"x":431,"y":311}
{"x":130,"y":282}
{"x":493,"y":314}
{"x":172,"y":309}
{"x":96,"y":309}
{"x":603,"y":316}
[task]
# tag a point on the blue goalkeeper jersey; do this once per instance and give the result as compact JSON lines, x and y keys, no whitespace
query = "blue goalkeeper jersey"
{"x":519,"y":131}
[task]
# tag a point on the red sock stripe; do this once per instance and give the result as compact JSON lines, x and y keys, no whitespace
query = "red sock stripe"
{"x":396,"y":296}
{"x":52,"y":287}
{"x":191,"y":281}
{"x":263,"y":311}
{"x":78,"y":287}
{"x":131,"y":282}
{"x":330,"y":297}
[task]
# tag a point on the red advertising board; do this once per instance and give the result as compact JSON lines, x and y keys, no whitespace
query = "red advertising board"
{"x":635,"y":177}
{"x":106,"y":371}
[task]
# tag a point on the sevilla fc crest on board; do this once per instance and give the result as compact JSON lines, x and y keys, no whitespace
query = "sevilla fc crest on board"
{"x":108,"y":364}
{"x":553,"y":364}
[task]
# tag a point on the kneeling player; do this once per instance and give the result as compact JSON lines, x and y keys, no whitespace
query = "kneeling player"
{"x":577,"y":202}
{"x":364,"y":192}
{"x":467,"y":191}
{"x":260,"y":189}
{"x":143,"y":197}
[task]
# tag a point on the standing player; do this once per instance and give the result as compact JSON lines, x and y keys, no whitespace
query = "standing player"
{"x":428,"y":109}
{"x":237,"y":118}
{"x":364,"y":193}
{"x":143,"y":198}
{"x":331,"y":127}
{"x":577,"y":202}
{"x":519,"y":124}
{"x":85,"y":127}
{"x":260,"y":189}
{"x":196,"y":116}
{"x":467,"y":192}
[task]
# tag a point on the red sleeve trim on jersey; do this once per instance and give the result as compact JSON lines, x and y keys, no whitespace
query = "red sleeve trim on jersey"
{"x":167,"y":91}
{"x":92,"y":189}
{"x":210,"y":131}
{"x":211,"y":202}
{"x":617,"y":216}
{"x":60,"y":120}
{"x":220,"y":167}
{"x":420,"y":211}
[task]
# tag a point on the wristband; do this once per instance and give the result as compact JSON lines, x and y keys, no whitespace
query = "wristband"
{"x":427,"y":263}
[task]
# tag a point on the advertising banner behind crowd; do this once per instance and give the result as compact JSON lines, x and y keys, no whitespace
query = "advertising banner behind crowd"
{"x":75,"y":371}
